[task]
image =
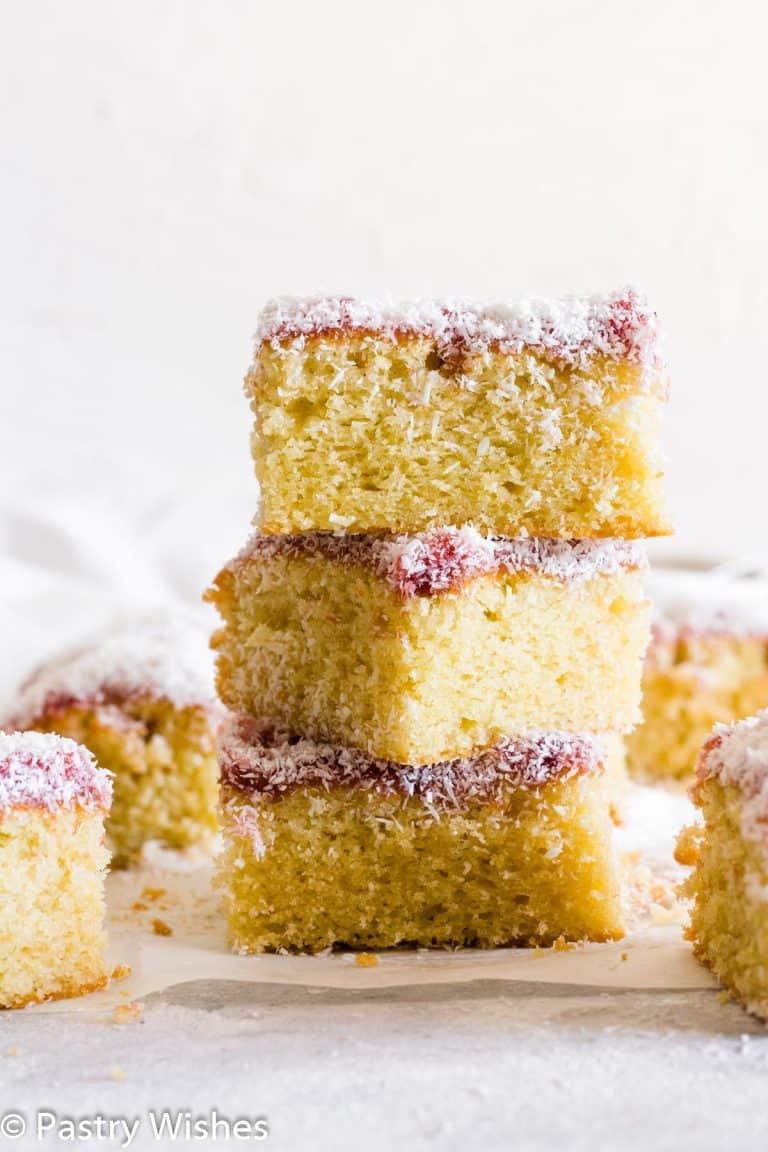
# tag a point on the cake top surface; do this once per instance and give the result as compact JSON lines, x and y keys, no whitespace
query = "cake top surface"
{"x":708,"y":602}
{"x":444,"y":558}
{"x":264,"y":762}
{"x":45,"y":771}
{"x":167,"y":657}
{"x":737,"y":755}
{"x":619,"y":325}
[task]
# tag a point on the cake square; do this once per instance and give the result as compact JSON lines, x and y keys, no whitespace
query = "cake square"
{"x":53,"y":799}
{"x":537,"y":417}
{"x":707,"y":664}
{"x":326,"y":846}
{"x":141,"y":698}
{"x":419,"y":649}
{"x":729,"y":882}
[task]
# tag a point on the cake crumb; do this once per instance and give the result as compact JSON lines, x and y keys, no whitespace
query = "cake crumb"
{"x":127,"y":1013}
{"x":563,"y":945}
{"x":724,"y":996}
{"x":652,"y":897}
{"x":160,"y":928}
{"x":625,"y":955}
{"x":11,"y":1051}
{"x":688,"y":846}
{"x":663,"y":893}
{"x":153,"y":894}
{"x":121,"y":971}
{"x":366,"y":960}
{"x":139,"y":906}
{"x":117,"y":1072}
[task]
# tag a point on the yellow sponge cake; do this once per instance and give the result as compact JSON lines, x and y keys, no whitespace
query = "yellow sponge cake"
{"x":418,"y":649}
{"x":328,"y":846}
{"x":141,"y":698}
{"x":707,"y":664}
{"x":53,"y":800}
{"x":729,"y":882}
{"x":536,"y":417}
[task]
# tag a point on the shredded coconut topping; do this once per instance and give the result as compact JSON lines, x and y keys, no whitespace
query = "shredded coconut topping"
{"x":737,"y":755}
{"x":574,"y":329}
{"x":444,"y":558}
{"x":707,"y":602}
{"x":263,"y":761}
{"x":167,"y":658}
{"x":44,"y":771}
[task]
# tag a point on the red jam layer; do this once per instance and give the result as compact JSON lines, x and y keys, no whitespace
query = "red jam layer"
{"x":573,"y":329}
{"x":445,"y":558}
{"x":264,"y":762}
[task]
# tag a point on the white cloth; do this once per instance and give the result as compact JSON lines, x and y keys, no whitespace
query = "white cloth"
{"x":69,"y":566}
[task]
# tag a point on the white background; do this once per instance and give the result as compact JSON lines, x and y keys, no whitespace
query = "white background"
{"x":168,"y":166}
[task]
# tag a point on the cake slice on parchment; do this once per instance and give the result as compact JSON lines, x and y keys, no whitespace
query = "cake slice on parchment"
{"x":324,"y":845}
{"x":53,"y":800}
{"x":531,"y":417}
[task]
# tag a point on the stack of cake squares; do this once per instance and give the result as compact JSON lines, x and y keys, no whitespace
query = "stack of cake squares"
{"x":434,"y":642}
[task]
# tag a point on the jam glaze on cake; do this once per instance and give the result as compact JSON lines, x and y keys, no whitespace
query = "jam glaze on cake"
{"x":444,"y":559}
{"x":267,"y":763}
{"x":572,"y":330}
{"x":50,"y":772}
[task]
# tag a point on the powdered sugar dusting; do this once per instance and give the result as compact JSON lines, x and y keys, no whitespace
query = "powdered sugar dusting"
{"x":444,"y":558}
{"x":165,"y":657}
{"x":619,"y":325}
{"x":44,"y":771}
{"x":263,"y":761}
{"x":737,"y":755}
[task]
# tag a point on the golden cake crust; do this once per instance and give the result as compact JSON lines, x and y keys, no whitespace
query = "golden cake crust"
{"x":67,"y":990}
